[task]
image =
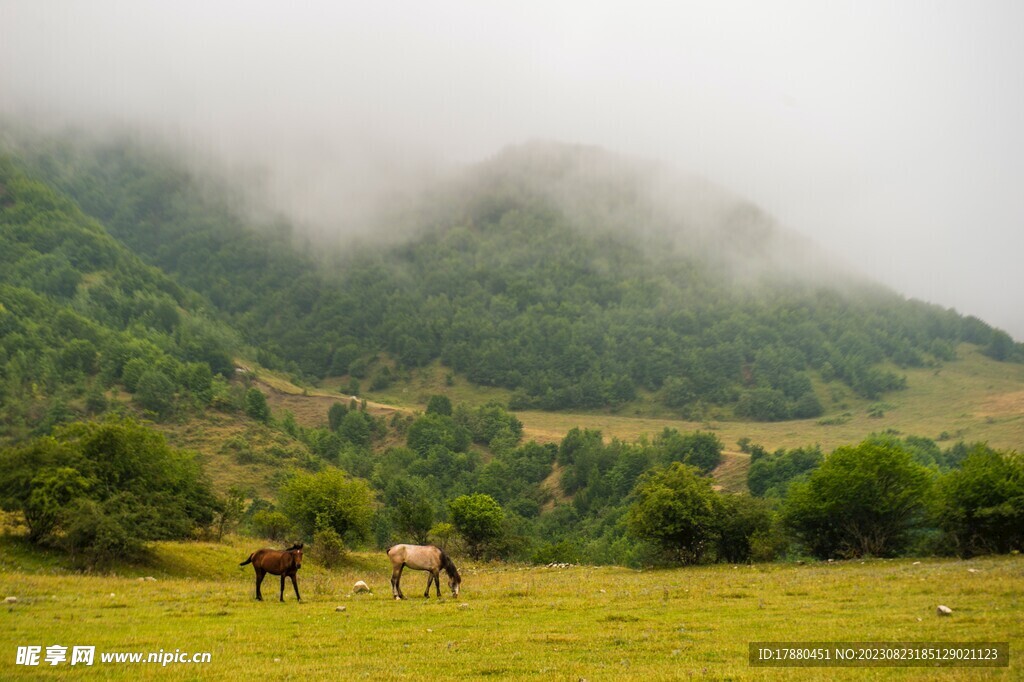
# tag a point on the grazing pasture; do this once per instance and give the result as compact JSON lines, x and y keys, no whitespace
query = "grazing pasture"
{"x":510,"y":622}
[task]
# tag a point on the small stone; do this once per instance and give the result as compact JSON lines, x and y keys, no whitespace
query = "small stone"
{"x":360,"y":587}
{"x":973,"y":570}
{"x":340,"y":608}
{"x":463,"y":606}
{"x":943,"y":610}
{"x":150,"y":579}
{"x":11,"y":600}
{"x":917,"y":563}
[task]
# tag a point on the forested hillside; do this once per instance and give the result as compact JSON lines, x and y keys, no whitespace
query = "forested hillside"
{"x":80,"y":315}
{"x":516,"y":286}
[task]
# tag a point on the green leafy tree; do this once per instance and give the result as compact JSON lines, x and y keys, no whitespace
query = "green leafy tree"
{"x":479,"y":520}
{"x":155,"y":392}
{"x":743,"y":521}
{"x":256,"y":405}
{"x":676,"y":509}
{"x":862,"y":501}
{"x":335,"y":415}
{"x":95,"y":487}
{"x":980,"y":506}
{"x":435,"y":429}
{"x":412,"y":514}
{"x":439,"y":404}
{"x":329,"y":499}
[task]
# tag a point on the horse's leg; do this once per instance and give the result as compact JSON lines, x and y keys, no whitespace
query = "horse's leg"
{"x":430,"y":579}
{"x":260,"y":575}
{"x":282,"y":587}
{"x":396,"y":582}
{"x":437,"y":583}
{"x":295,"y":584}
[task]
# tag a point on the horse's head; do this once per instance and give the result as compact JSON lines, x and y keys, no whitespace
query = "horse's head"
{"x":454,"y":581}
{"x":296,"y":552}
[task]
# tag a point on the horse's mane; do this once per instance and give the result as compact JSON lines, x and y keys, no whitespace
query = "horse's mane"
{"x":449,"y":566}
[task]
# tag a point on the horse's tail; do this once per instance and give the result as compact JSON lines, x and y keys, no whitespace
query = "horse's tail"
{"x":247,"y":561}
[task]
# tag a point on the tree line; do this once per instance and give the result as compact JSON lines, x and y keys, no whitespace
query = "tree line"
{"x":464,"y":479}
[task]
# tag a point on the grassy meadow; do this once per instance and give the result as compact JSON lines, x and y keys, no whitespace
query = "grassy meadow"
{"x":510,"y":622}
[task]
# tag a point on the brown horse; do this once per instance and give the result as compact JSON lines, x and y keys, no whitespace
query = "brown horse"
{"x":276,"y":562}
{"x":422,"y":558}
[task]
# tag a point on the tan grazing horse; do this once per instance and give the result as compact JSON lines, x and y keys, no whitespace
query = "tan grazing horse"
{"x":422,"y":558}
{"x":276,"y":562}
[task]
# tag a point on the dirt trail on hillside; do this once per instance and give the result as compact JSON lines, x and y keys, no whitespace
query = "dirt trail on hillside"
{"x":310,"y":408}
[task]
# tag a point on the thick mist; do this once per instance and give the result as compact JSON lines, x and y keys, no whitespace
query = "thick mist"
{"x":886,"y":133}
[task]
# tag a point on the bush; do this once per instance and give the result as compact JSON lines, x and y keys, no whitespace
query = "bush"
{"x":256,"y":405}
{"x":328,"y":549}
{"x":864,"y":500}
{"x":99,"y":489}
{"x":329,"y":499}
{"x":980,"y":506}
{"x":677,"y":510}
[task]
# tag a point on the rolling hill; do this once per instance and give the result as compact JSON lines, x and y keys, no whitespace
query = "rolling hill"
{"x":570,"y":277}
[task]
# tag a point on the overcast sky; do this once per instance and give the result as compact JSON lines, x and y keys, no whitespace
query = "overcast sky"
{"x":892,"y":133}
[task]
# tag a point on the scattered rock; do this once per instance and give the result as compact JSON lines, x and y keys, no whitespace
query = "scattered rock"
{"x":463,"y":606}
{"x":943,"y":610}
{"x":11,"y":600}
{"x":340,"y":608}
{"x":150,"y":579}
{"x":973,"y":570}
{"x":916,"y":563}
{"x":360,"y":587}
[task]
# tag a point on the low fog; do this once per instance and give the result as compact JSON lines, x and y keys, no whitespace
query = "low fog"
{"x":887,"y":133}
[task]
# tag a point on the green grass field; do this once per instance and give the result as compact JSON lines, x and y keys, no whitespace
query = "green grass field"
{"x":510,"y":622}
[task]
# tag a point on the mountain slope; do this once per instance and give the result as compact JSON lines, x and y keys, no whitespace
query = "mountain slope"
{"x":80,"y":315}
{"x":561,"y":273}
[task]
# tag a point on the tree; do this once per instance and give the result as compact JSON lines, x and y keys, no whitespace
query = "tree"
{"x":698,"y":449}
{"x":743,"y":519}
{"x":435,"y":429}
{"x":409,"y":507}
{"x":478,"y":519}
{"x":677,"y":510}
{"x":256,"y":405}
{"x":155,"y":392}
{"x":862,"y":501}
{"x":329,"y":499}
{"x":100,"y":488}
{"x":335,"y":414}
{"x":980,"y":506}
{"x":439,"y":404}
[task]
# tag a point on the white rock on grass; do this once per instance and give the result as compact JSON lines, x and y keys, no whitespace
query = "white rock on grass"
{"x":943,"y":610}
{"x":360,"y":587}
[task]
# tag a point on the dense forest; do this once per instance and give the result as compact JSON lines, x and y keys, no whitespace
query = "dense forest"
{"x":81,"y":315}
{"x":503,"y":285}
{"x":130,"y":285}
